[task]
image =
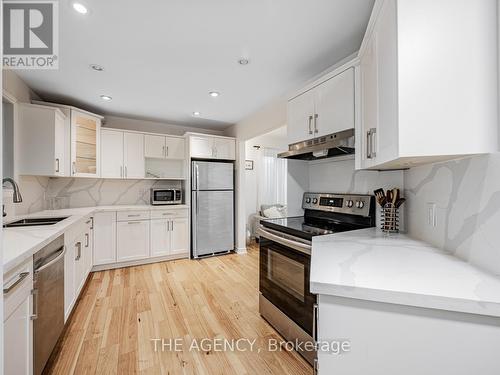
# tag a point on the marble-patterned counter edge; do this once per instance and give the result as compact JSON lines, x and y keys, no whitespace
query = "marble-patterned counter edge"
{"x":368,"y":265}
{"x":28,"y":240}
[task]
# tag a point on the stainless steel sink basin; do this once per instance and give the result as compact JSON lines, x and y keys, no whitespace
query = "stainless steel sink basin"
{"x":35,"y":221}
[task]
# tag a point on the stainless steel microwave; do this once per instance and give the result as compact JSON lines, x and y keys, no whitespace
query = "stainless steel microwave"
{"x":160,"y":196}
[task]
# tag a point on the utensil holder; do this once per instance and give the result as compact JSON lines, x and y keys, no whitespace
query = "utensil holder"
{"x":390,"y":218}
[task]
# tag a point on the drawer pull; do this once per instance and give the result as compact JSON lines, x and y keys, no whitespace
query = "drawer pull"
{"x":133,"y":222}
{"x":20,"y":278}
{"x":135,"y":215}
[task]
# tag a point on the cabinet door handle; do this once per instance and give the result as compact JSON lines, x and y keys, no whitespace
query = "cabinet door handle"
{"x":133,"y":222}
{"x":126,"y":172}
{"x":86,"y":240}
{"x":309,"y":124}
{"x":134,"y":215}
{"x":368,"y":144}
{"x":34,"y":315}
{"x":78,"y":246}
{"x":172,"y":225}
{"x":20,"y":278}
{"x":166,"y":152}
{"x":373,"y":151}
{"x":57,"y":165}
{"x":74,"y":167}
{"x":316,"y":123}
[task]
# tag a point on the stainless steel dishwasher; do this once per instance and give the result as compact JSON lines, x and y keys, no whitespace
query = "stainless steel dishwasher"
{"x":48,"y":301}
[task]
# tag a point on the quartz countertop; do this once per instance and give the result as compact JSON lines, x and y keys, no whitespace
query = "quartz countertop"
{"x":369,"y":265}
{"x":21,"y":243}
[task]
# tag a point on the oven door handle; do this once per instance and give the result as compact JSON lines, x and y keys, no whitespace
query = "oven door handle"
{"x":299,"y":246}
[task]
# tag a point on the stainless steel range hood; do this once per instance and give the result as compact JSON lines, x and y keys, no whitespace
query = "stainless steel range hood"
{"x":328,"y":146}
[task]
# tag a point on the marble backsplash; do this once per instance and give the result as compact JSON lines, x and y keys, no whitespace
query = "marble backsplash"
{"x":41,"y":193}
{"x":467,"y":197}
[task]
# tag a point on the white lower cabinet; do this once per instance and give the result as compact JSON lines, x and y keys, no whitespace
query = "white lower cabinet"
{"x":77,"y":262}
{"x":169,"y":236}
{"x":132,"y":240}
{"x":17,"y":324}
{"x":104,"y":238}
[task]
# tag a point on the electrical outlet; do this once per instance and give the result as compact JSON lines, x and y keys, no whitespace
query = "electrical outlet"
{"x":431,"y":214}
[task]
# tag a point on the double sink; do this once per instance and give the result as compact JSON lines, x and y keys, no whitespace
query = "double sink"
{"x":35,"y":221}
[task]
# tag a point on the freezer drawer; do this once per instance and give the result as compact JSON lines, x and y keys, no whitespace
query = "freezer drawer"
{"x":213,"y":222}
{"x":212,"y":175}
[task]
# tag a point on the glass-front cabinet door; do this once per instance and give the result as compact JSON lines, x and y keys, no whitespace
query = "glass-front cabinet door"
{"x":85,"y":144}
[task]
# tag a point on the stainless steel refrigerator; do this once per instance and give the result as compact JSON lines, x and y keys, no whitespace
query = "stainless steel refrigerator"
{"x":212,"y":207}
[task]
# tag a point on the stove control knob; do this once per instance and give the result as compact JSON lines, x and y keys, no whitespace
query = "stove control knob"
{"x":315,"y":200}
{"x":308,"y":200}
{"x":349,"y":203}
{"x":360,"y":204}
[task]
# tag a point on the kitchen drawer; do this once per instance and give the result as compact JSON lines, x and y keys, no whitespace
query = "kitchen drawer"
{"x":23,"y":275}
{"x":132,"y":215}
{"x":169,"y":213}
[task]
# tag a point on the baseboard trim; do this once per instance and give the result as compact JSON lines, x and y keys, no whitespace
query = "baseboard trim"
{"x":139,"y":262}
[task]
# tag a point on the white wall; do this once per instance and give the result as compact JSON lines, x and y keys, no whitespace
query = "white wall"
{"x":467,"y":195}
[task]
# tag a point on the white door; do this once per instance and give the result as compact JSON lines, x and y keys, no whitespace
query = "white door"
{"x":154,"y":146}
{"x":160,"y":237}
{"x":300,"y":116}
{"x":69,"y":276}
{"x":132,"y":240}
{"x":225,"y":148}
{"x":104,"y":238}
{"x":369,"y":104}
{"x":334,"y":104}
{"x":111,"y":154}
{"x":17,"y":340}
{"x":59,"y":144}
{"x":201,"y":147}
{"x":175,"y":148}
{"x":134,"y":155}
{"x":179,"y":236}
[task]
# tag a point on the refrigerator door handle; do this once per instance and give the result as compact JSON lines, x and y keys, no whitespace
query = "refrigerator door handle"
{"x":194,"y":206}
{"x":197,"y":176}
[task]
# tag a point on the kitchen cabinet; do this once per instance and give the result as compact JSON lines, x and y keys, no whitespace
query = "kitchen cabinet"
{"x":212,"y":147}
{"x":169,"y":235}
{"x":328,"y":107}
{"x":133,"y":155}
{"x":164,"y":147}
{"x":104,"y":238}
{"x":85,"y":144}
{"x":17,"y":323}
{"x":111,"y":154}
{"x":422,"y":99}
{"x":122,"y":154}
{"x":132,"y":240}
{"x":42,"y":131}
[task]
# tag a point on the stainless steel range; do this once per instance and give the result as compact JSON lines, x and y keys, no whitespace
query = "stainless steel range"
{"x":285,"y":300}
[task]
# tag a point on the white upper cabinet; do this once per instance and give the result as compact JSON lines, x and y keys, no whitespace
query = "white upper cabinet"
{"x":42,"y":135}
{"x":164,"y":147}
{"x":154,"y":146}
{"x":212,"y":147}
{"x":300,"y":116}
{"x":325,"y":108}
{"x":133,"y":155}
{"x":111,"y":154}
{"x":85,"y":144}
{"x":423,"y":99}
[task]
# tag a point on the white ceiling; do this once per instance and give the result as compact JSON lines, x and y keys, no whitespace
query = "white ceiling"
{"x":163,"y":57}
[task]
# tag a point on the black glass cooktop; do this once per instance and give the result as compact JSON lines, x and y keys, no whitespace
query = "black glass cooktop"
{"x":305,"y":228}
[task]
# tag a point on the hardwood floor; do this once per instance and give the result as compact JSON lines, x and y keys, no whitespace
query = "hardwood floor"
{"x":122,"y":311}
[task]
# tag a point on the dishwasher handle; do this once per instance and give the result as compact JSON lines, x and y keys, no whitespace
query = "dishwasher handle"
{"x":55,"y":260}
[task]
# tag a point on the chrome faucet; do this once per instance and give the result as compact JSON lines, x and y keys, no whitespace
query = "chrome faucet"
{"x":16,"y":198}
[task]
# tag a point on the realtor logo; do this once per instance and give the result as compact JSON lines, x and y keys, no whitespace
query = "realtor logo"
{"x":30,"y":34}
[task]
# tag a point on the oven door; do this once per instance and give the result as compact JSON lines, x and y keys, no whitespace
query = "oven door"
{"x":285,"y":265}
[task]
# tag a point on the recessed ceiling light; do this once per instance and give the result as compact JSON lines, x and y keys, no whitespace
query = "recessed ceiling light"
{"x":196,"y":114}
{"x":97,"y":68}
{"x":106,"y":98}
{"x":80,"y":8}
{"x":214,"y":94}
{"x":243,"y":61}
